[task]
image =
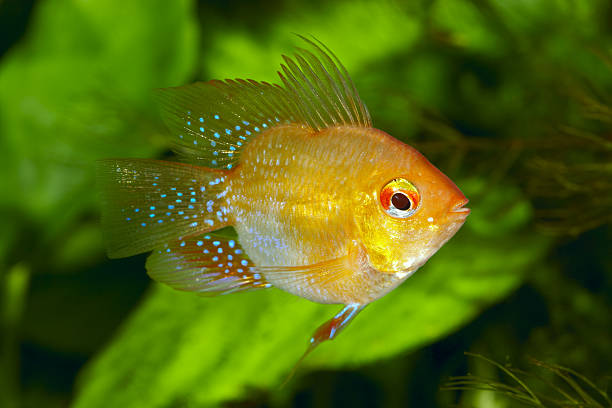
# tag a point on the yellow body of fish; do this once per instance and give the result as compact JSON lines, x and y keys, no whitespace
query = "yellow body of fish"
{"x":325,"y":206}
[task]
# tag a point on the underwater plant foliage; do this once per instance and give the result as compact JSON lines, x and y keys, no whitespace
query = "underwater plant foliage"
{"x":512,"y":100}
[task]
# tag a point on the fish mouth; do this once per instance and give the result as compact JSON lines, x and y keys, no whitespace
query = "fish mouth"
{"x":460,"y":208}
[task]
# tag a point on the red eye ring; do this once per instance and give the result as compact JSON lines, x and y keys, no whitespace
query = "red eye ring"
{"x":400,"y":198}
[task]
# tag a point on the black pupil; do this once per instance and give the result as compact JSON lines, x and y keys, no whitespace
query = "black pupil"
{"x":401,"y":201}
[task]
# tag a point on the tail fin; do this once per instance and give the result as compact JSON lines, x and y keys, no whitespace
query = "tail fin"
{"x":147,"y":203}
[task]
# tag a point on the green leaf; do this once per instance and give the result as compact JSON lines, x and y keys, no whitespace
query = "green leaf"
{"x":205,"y":351}
{"x":78,"y":88}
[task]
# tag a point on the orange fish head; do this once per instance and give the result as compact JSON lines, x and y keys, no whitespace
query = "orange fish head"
{"x":407,"y":211}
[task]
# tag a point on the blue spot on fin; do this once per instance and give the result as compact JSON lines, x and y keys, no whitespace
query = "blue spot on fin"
{"x":206,"y":264}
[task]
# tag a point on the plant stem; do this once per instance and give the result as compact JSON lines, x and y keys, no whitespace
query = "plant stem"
{"x":13,"y":291}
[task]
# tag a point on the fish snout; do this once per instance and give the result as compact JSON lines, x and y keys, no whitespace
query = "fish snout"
{"x":459,"y":208}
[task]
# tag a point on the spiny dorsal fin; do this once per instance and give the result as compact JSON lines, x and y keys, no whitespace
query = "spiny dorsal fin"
{"x":326,"y":94}
{"x":211,"y":121}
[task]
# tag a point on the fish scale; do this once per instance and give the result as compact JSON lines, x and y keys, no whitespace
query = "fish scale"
{"x":260,"y":189}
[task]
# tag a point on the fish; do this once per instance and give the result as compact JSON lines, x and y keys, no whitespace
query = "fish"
{"x":323,"y":205}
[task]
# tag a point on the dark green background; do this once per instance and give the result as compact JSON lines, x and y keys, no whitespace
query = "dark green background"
{"x":511,"y":99}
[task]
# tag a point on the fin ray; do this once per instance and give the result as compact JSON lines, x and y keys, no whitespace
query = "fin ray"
{"x":210,"y":265}
{"x":212,"y":121}
{"x":146,"y":203}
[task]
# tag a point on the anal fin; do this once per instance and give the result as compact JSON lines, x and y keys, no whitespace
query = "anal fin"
{"x":209,"y":264}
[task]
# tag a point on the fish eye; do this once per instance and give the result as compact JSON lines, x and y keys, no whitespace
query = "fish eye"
{"x":400,"y":198}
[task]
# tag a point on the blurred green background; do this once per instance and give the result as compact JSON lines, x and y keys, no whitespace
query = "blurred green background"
{"x":511,"y":99}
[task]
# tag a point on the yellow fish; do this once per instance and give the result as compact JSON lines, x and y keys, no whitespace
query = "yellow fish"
{"x":325,"y":206}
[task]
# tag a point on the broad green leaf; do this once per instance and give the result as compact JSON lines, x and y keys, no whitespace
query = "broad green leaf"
{"x":181,"y":348}
{"x":78,"y":88}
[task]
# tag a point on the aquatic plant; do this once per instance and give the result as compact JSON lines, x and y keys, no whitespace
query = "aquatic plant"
{"x":510,"y":99}
{"x":545,"y":385}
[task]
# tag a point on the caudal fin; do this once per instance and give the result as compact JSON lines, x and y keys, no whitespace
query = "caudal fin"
{"x":147,"y":203}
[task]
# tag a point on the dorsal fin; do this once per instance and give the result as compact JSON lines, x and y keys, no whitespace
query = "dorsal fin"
{"x":322,"y":85}
{"x":211,"y":121}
